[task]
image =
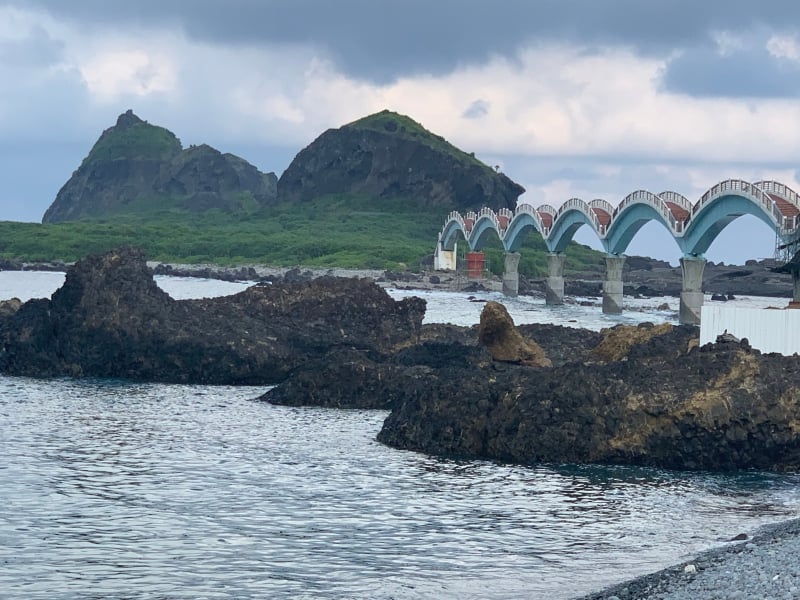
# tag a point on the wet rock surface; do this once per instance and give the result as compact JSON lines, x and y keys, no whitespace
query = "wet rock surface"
{"x":110,"y":319}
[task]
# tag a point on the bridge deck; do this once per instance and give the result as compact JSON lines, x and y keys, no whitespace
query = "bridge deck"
{"x":787,"y":208}
{"x":547,"y":219}
{"x":680,"y":213}
{"x":603,"y":216}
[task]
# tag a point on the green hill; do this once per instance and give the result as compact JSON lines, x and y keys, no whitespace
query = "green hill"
{"x":371,"y":194}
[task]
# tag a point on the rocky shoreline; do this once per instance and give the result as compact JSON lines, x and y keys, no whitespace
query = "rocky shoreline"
{"x":645,"y":395}
{"x":643,"y":277}
{"x":762,"y":566}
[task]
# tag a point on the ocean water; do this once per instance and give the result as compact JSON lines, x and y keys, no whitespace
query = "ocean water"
{"x":113,"y":489}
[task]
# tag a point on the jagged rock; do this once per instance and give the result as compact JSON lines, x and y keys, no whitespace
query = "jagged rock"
{"x":719,"y":407}
{"x":110,"y":319}
{"x":138,"y":167}
{"x":9,"y":307}
{"x":727,"y":338}
{"x":387,"y":155}
{"x":618,"y":341}
{"x":497,"y":333}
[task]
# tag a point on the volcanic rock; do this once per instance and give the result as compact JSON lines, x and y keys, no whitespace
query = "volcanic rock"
{"x":110,"y":319}
{"x":504,"y":342}
{"x":669,"y":404}
{"x":388,"y":156}
{"x":136,"y":167}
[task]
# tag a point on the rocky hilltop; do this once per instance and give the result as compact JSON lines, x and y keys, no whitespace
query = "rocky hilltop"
{"x":388,"y":155}
{"x":138,"y":167}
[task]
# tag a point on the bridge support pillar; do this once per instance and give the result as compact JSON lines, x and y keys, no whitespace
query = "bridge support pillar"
{"x":444,"y":260}
{"x":511,"y":274}
{"x":554,"y":285}
{"x":691,"y":289}
{"x":612,"y":286}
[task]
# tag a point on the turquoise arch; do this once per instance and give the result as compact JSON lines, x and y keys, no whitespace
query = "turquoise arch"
{"x":706,"y":223}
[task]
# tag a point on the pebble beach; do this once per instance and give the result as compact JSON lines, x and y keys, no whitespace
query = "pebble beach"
{"x":765,"y":566}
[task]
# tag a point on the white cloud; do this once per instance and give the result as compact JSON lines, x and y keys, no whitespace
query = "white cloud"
{"x":128,"y":73}
{"x":784,"y":46}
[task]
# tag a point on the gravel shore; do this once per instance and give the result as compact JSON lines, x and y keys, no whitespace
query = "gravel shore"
{"x":763,"y":567}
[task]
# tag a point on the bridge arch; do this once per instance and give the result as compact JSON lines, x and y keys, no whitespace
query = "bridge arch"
{"x":573,"y":214}
{"x":525,"y":219}
{"x":720,"y":206}
{"x":454,"y":228}
{"x":633,"y":213}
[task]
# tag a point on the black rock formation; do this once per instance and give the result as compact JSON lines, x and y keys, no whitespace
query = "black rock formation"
{"x":110,"y":319}
{"x":643,"y":397}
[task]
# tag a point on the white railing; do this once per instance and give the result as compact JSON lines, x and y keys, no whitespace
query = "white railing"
{"x":581,"y":206}
{"x":743,"y":187}
{"x":653,"y":201}
{"x":759,"y":193}
{"x":530,"y":209}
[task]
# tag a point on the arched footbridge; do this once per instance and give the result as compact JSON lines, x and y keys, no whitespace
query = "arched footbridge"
{"x":694,"y":226}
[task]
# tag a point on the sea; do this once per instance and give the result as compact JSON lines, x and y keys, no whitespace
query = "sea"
{"x":122,"y":489}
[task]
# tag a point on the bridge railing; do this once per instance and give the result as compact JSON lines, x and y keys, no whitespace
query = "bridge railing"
{"x":676,"y":198}
{"x":786,"y":222}
{"x":530,"y":209}
{"x":739,"y":185}
{"x":453,"y":216}
{"x":655,"y":202}
{"x":603,"y":205}
{"x":779,"y":189}
{"x":583,"y":208}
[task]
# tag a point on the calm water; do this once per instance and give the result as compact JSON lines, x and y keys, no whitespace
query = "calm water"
{"x":118,"y":489}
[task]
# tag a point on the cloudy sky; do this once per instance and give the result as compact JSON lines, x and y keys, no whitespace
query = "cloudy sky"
{"x":586,"y":98}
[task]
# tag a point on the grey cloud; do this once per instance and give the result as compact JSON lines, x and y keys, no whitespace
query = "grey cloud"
{"x":751,"y":73}
{"x":36,"y":50}
{"x":476,"y":110}
{"x":382,"y":40}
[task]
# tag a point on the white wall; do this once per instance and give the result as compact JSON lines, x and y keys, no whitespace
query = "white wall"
{"x":766,"y":330}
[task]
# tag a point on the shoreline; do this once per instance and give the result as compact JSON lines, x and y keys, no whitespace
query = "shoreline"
{"x":643,"y":278}
{"x":761,"y":565}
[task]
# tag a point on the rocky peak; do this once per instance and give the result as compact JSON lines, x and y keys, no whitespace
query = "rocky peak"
{"x":388,"y":155}
{"x":127,"y":119}
{"x":135,"y":166}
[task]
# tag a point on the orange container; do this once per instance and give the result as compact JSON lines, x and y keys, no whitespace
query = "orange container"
{"x":475,"y":265}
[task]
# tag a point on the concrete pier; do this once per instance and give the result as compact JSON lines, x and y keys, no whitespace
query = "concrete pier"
{"x":445,"y":260}
{"x":612,"y":286}
{"x":554,"y":285}
{"x":511,"y":274}
{"x":692,"y":268}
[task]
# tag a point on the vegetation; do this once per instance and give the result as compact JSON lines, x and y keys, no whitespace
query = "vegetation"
{"x":139,"y":140}
{"x":405,"y":127}
{"x":334,"y":231}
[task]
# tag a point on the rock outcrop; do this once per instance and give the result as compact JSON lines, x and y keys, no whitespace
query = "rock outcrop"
{"x":497,"y":333}
{"x":110,"y":319}
{"x":389,"y":156}
{"x":137,"y":167}
{"x":658,"y":400}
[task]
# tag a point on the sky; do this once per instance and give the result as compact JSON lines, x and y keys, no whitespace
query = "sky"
{"x":570,"y":98}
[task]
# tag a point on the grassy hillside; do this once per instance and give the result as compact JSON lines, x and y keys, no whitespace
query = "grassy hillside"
{"x":334,"y":231}
{"x":407,"y":128}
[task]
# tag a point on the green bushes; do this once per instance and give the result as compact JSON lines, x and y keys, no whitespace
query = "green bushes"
{"x":334,"y":231}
